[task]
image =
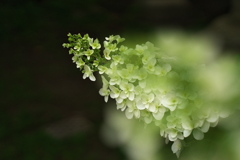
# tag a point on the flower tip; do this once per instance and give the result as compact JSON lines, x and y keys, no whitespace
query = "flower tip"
{"x":92,"y":78}
{"x":176,"y":147}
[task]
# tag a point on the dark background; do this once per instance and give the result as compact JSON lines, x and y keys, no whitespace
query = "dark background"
{"x":47,"y":111}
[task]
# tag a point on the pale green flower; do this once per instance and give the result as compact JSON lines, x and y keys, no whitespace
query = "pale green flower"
{"x":141,"y":74}
{"x":95,"y":44}
{"x":132,"y":111}
{"x":86,"y":37}
{"x":172,"y":134}
{"x":102,"y":69}
{"x":113,"y":38}
{"x":112,"y":47}
{"x":117,"y":59}
{"x":159,"y":113}
{"x":170,"y":101}
{"x":122,"y":104}
{"x":115,"y":92}
{"x":148,"y":58}
{"x":104,"y":91}
{"x":106,"y":53}
{"x":205,"y":127}
{"x":127,"y":90}
{"x":186,"y":123}
{"x":128,"y":72}
{"x":115,"y":79}
{"x":123,"y":48}
{"x":75,"y":58}
{"x":140,"y":49}
{"x":80,"y":63}
{"x":150,"y":65}
{"x":95,"y":63}
{"x":186,"y":132}
{"x":119,"y":39}
{"x":147,"y":117}
{"x":176,"y":147}
{"x":88,"y":73}
{"x":144,"y":101}
{"x":162,"y":70}
{"x":154,"y":105}
{"x":88,"y":53}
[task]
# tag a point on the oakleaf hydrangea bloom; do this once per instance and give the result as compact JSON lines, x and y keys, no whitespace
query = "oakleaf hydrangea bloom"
{"x":158,"y":85}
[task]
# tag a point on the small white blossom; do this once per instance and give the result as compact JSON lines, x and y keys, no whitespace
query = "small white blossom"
{"x":176,"y":147}
{"x":106,"y":53}
{"x":162,"y":71}
{"x":115,"y":92}
{"x":158,"y":115}
{"x":88,"y":53}
{"x":205,"y":127}
{"x":170,"y":102}
{"x":102,"y":69}
{"x":145,"y":101}
{"x":104,"y":91}
{"x":148,"y":119}
{"x":127,"y":90}
{"x":80,"y":63}
{"x":88,"y":73}
{"x":95,"y":44}
{"x":132,"y":111}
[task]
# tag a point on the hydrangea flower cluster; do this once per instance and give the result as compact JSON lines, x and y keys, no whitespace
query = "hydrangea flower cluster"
{"x":149,"y":84}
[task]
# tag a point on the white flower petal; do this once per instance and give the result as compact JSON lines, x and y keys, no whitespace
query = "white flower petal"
{"x":148,"y":119}
{"x":176,"y":146}
{"x":137,"y":113}
{"x":205,"y":127}
{"x":92,"y":78}
{"x":106,"y":99}
{"x":119,"y":100}
{"x":151,"y":97}
{"x":128,"y":114}
{"x":85,"y":75}
{"x":213,"y":118}
{"x":159,"y":115}
{"x":172,"y":135}
{"x":186,"y":124}
{"x":123,"y":95}
{"x":169,"y":102}
{"x":152,"y":108}
{"x":140,"y":105}
{"x":171,"y":107}
{"x":186,"y":132}
{"x":162,"y":132}
{"x":131,"y":96}
{"x":198,"y":134}
{"x":142,"y":84}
